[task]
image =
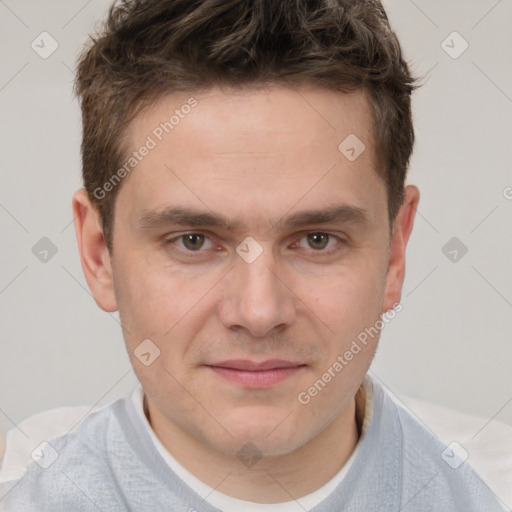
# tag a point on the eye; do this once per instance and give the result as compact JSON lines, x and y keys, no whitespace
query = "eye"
{"x":319,"y":241}
{"x":191,"y":242}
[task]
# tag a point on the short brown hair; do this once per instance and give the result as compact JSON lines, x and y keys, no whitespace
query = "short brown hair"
{"x":148,"y":49}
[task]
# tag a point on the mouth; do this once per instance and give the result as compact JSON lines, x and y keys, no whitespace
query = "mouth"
{"x":252,"y":374}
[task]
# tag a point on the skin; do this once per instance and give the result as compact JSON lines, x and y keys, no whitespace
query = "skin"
{"x":255,"y":156}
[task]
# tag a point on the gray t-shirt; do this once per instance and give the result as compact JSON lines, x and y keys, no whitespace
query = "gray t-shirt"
{"x":110,"y":463}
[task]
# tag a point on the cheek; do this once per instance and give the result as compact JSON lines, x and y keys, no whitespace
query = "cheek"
{"x":157,"y":298}
{"x":349,"y":300}
{"x":349,"y":305}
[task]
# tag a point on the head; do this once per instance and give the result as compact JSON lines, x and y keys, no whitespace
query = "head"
{"x":244,"y":167}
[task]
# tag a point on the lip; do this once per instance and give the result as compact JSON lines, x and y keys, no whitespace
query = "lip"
{"x":255,"y":374}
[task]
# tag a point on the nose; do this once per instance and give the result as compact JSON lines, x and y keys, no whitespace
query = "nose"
{"x":257,"y":297}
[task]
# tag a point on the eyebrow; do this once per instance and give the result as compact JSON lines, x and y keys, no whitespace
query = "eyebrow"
{"x":182,"y":216}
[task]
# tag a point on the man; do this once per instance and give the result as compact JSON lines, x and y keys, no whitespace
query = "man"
{"x":245,"y":212}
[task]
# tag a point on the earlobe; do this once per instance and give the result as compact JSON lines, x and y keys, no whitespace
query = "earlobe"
{"x":402,"y":229}
{"x":93,"y":250}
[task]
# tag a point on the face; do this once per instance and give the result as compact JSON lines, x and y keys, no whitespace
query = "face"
{"x":252,"y":253}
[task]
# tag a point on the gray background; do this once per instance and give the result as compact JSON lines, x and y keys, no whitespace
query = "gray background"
{"x":449,"y":345}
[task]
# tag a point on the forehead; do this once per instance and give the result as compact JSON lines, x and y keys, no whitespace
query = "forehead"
{"x":252,"y":116}
{"x":251,"y":151}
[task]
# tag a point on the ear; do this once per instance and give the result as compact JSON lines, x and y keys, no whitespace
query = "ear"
{"x":94,"y":254}
{"x":402,"y":228}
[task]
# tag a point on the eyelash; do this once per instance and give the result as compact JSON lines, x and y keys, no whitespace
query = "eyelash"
{"x":192,"y":254}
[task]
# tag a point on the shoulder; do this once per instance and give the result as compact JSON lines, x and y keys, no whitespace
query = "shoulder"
{"x":24,"y":443}
{"x":54,"y":468}
{"x":434,"y":471}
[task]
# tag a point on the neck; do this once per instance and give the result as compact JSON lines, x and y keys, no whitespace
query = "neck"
{"x":273,"y":479}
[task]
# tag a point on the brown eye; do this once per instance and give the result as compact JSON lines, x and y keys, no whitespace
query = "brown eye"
{"x":318,"y":241}
{"x":193,"y":241}
{"x":321,"y":243}
{"x":190,"y":245}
